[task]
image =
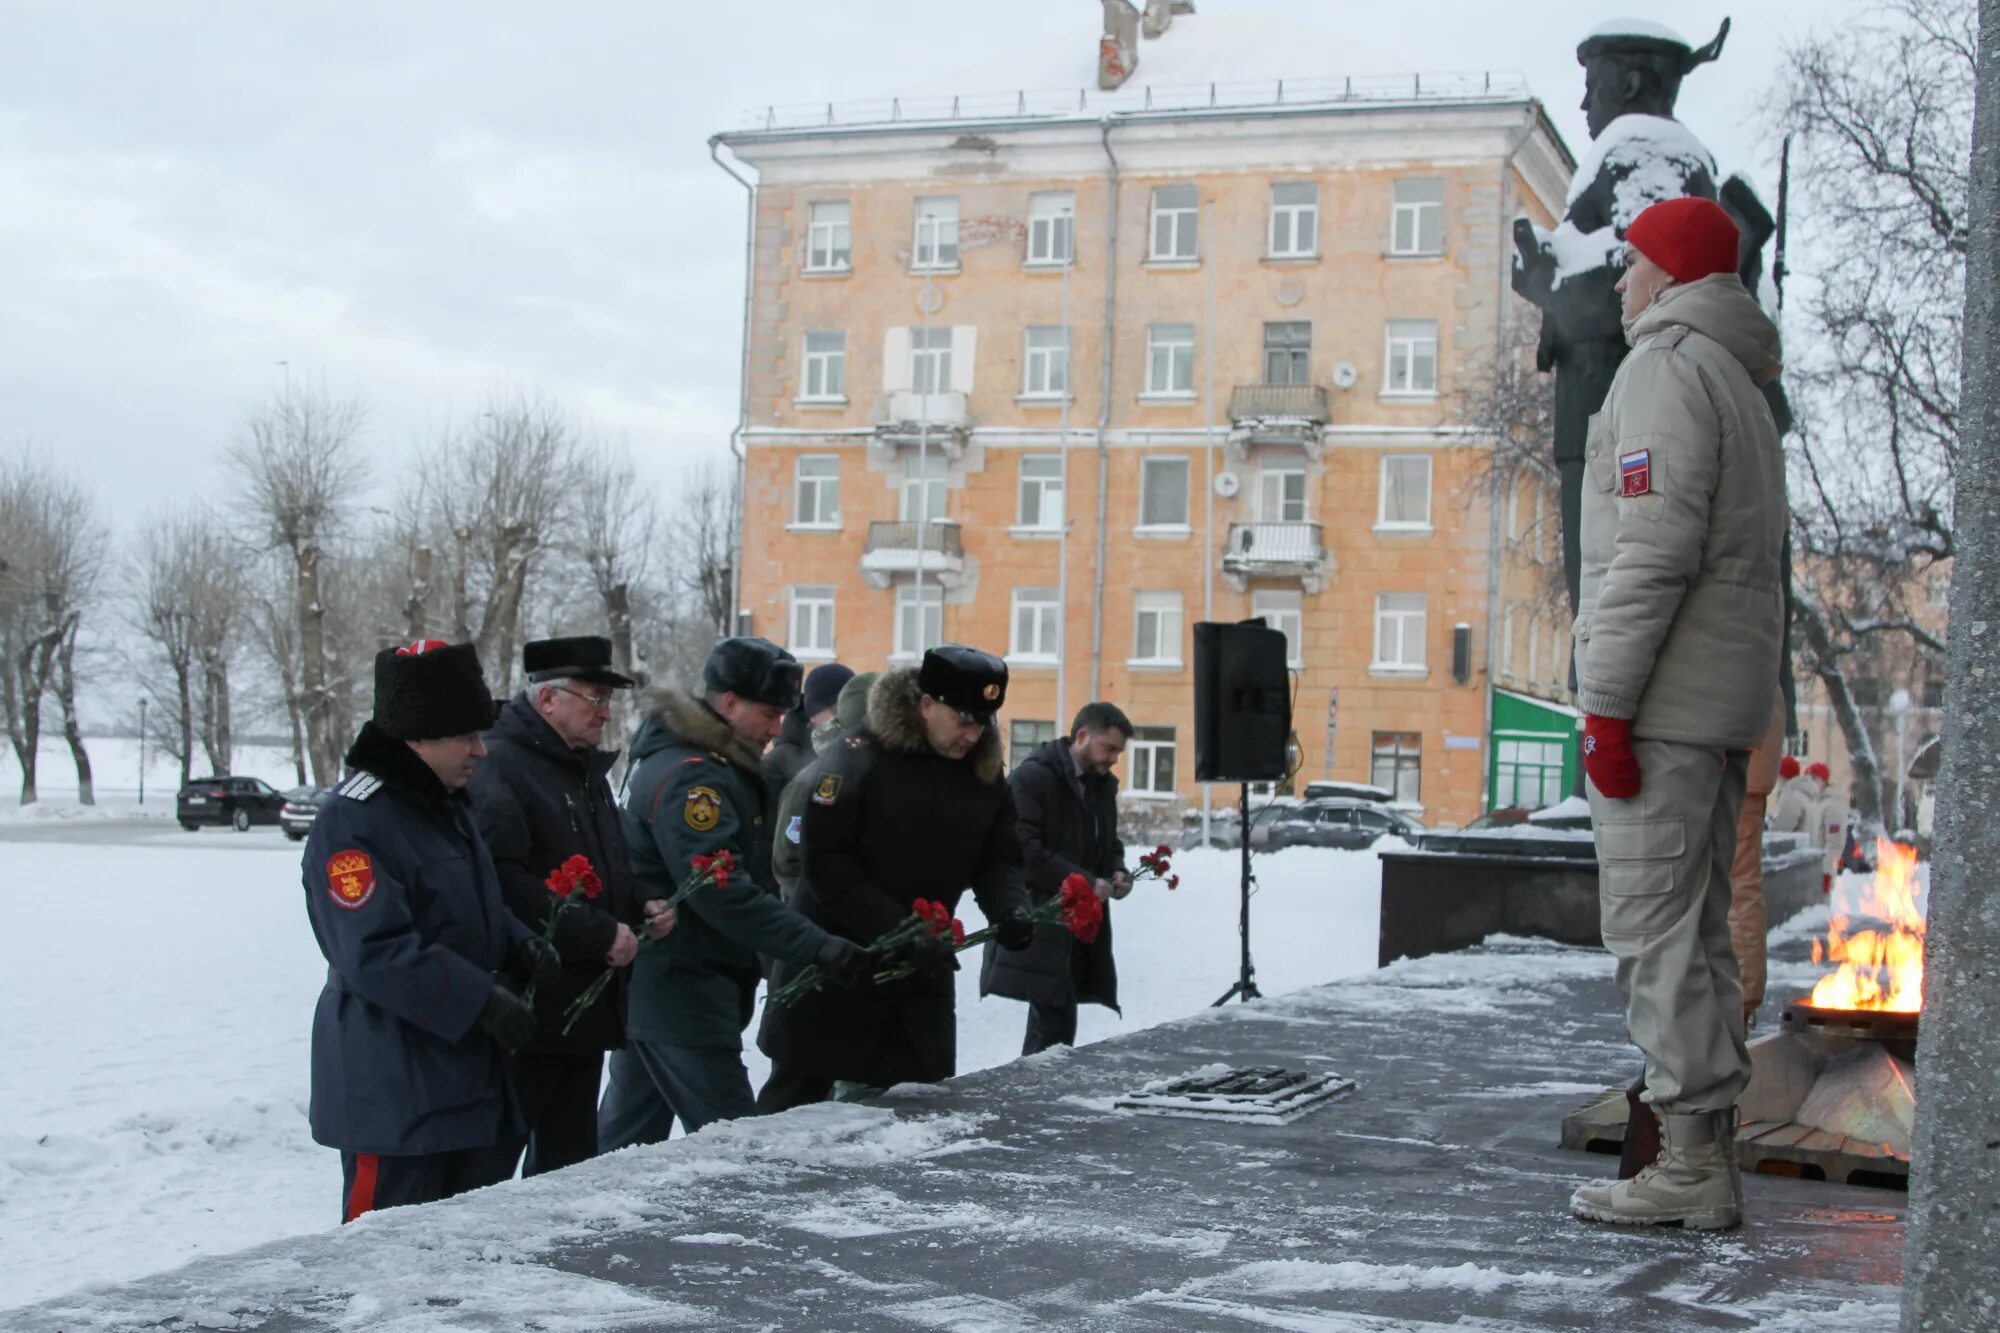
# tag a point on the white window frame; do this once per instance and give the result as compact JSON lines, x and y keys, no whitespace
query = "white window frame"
{"x":1051,"y":229}
{"x":1043,"y":642}
{"x":824,"y":487}
{"x":1292,"y":352}
{"x":1282,"y":477}
{"x":1169,"y":361}
{"x":1041,"y":479}
{"x":1159,"y":466}
{"x":1166,"y":610}
{"x":1284,"y":610}
{"x":934,"y":238}
{"x":1546,"y":762}
{"x":1297,"y":221}
{"x":1183,"y":227}
{"x":1402,"y":627}
{"x":827,"y":363}
{"x":1410,"y":215}
{"x":919,"y":486}
{"x":907,"y":609}
{"x":1045,"y":368}
{"x":830,"y":239}
{"x":1404,"y":341}
{"x":1142,"y":761}
{"x":930,"y":360}
{"x":1390,"y":464}
{"x":1396,"y":754}
{"x":812,"y":611}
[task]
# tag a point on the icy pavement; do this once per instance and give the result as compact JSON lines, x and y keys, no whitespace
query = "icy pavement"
{"x":1015,"y":1198}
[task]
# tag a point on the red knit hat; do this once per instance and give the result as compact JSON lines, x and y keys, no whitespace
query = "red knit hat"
{"x":1689,"y":238}
{"x":1788,"y":767}
{"x":1820,"y":771}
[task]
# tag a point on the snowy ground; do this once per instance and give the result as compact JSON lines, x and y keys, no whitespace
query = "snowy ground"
{"x":157,"y":995}
{"x":114,"y":764}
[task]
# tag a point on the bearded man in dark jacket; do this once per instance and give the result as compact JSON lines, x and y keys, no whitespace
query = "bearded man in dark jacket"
{"x":914,"y":806}
{"x":1066,"y":795}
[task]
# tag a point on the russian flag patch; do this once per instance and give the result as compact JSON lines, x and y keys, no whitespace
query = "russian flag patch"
{"x":1635,"y":474}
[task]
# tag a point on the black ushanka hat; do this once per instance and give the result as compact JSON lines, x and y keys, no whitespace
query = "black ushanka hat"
{"x":430,"y":688}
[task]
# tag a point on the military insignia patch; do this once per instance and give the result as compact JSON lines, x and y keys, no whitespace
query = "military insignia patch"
{"x":350,"y":878}
{"x":828,"y":790}
{"x":703,"y":810}
{"x":795,"y":830}
{"x":1635,"y":474}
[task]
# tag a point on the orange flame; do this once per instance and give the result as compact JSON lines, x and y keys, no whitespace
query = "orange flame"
{"x":1879,"y":968}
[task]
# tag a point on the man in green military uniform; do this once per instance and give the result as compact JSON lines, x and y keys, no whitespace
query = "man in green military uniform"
{"x":696,"y":789}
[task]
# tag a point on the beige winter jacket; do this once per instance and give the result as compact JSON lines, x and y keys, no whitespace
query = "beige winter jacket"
{"x":1678,"y":623}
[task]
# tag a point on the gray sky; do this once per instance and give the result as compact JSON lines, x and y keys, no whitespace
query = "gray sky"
{"x":428,"y":202}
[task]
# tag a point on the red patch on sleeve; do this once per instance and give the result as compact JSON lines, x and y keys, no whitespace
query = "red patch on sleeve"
{"x":350,"y":878}
{"x":1635,"y":474}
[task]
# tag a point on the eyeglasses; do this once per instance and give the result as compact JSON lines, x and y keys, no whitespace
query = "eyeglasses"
{"x":599,"y":702}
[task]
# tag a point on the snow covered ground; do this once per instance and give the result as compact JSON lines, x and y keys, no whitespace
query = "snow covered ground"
{"x":114,"y":763}
{"x":155,"y":1000}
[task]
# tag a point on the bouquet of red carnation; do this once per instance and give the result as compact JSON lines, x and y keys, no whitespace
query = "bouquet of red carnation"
{"x":712,"y":869}
{"x":573,"y":877}
{"x":1157,"y":864}
{"x":926,"y":918}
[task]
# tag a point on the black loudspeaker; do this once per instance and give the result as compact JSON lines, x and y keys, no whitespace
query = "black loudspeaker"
{"x":1242,"y":702}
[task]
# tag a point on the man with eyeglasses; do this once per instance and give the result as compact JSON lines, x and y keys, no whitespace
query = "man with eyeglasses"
{"x":543,"y":796}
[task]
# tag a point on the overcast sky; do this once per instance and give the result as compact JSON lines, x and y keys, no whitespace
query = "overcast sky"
{"x":428,"y":202}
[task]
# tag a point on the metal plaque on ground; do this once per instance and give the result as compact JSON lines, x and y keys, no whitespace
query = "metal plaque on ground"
{"x":1260,"y":1095}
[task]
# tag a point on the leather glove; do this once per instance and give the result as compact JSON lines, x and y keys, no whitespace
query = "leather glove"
{"x":1015,"y":931}
{"x":535,"y":962}
{"x":507,"y":1020}
{"x":927,"y":951}
{"x":1608,"y":757}
{"x":844,"y":962}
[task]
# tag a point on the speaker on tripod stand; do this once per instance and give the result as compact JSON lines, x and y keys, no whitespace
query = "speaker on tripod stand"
{"x":1242,"y":733}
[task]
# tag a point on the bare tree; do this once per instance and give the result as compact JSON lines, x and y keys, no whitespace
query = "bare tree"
{"x":702,"y":536}
{"x":1514,"y":405}
{"x":302,"y":470}
{"x":617,"y":525}
{"x":187,"y":605}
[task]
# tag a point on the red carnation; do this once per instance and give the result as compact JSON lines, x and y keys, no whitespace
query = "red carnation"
{"x":715,"y":866}
{"x":1173,"y":881}
{"x":957,"y":934}
{"x":1082,"y":909}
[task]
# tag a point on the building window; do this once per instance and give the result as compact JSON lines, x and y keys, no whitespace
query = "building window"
{"x":1163,"y":493}
{"x":1045,"y":367}
{"x":1156,"y":628}
{"x":825,"y":379}
{"x":1406,"y":492}
{"x":1507,"y":643}
{"x":1041,"y":504}
{"x":919,"y":625}
{"x":930,"y":359}
{"x":1534,"y":650}
{"x":1412,"y":357}
{"x":1284,"y":612}
{"x":1397,"y":764}
{"x":1399,"y":632}
{"x":1150,"y":762}
{"x":925,"y":484}
{"x":1023,"y":735}
{"x":812,"y":622}
{"x":816,"y":492}
{"x":1294,"y":219}
{"x":1288,"y":352}
{"x":1281,"y":495}
{"x":1037,"y":626}
{"x":1175,"y":211}
{"x":937,"y":234}
{"x":1528,"y":772}
{"x":1418,"y":225}
{"x":829,"y":238}
{"x":1170,"y":360}
{"x":1052,"y":227}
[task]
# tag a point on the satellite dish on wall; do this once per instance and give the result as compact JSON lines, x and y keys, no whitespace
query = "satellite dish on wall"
{"x":930,"y":300}
{"x":1345,"y":376}
{"x":1226,"y":485}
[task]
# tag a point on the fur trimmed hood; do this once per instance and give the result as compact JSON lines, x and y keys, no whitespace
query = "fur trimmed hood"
{"x":672,"y":715}
{"x":895,"y":718}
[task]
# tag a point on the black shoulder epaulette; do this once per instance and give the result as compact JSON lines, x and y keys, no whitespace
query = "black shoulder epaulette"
{"x":359,"y":786}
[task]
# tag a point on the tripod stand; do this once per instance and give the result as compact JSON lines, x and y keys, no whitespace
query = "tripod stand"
{"x":1246,"y":983}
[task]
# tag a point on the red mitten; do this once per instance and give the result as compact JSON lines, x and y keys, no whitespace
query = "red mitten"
{"x":1608,"y":757}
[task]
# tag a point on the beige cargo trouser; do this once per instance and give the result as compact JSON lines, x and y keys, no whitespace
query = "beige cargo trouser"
{"x":1663,"y":888}
{"x":1747,"y":925}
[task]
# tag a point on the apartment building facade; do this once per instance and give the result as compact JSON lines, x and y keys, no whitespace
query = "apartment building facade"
{"x":1061,"y":383}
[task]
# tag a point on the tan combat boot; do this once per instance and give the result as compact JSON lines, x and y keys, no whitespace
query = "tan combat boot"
{"x":1695,"y":1182}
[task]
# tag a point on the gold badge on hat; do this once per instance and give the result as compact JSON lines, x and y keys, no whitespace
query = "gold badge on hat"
{"x":992,"y":692}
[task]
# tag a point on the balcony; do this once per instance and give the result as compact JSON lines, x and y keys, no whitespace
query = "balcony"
{"x":912,"y":420}
{"x":1275,"y":551}
{"x":1287,"y":414}
{"x":904,"y":548}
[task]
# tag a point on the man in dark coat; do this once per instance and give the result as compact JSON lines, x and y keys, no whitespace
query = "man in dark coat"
{"x":915,"y":806}
{"x":806,"y":724}
{"x":409,"y":1077}
{"x":1066,"y":795}
{"x":788,"y":852}
{"x":541,"y":797}
{"x":696,"y":789}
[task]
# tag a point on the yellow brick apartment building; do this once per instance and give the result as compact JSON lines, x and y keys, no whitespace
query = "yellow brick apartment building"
{"x":1060,"y":378}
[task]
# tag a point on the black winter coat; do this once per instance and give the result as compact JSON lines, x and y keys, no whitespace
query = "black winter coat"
{"x":539,"y":802}
{"x":1068,"y":826}
{"x":789,"y":754}
{"x":405,"y":904}
{"x":888,"y":822}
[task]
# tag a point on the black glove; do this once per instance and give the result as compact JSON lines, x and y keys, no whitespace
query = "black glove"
{"x":844,"y":962}
{"x":507,"y":1020}
{"x":535,"y":962}
{"x":927,"y":951}
{"x":1015,"y":931}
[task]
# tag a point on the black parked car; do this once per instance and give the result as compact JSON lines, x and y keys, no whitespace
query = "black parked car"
{"x":237,"y":802}
{"x":300,"y":809}
{"x":1339,"y":823}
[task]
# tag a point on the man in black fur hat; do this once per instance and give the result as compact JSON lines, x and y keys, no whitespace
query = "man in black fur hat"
{"x":409,"y":1077}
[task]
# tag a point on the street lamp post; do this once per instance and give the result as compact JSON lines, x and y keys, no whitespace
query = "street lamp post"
{"x":1899,"y":709}
{"x":142,"y":749}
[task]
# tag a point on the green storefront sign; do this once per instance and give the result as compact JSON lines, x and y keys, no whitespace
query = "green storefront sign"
{"x":1533,"y":752}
